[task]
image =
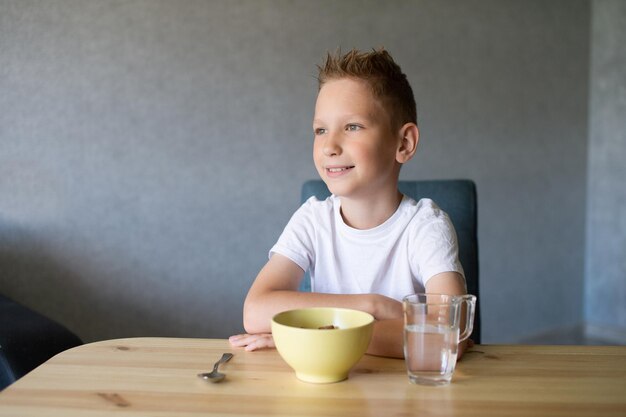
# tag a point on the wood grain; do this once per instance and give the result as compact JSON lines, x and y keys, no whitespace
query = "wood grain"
{"x":157,"y":377}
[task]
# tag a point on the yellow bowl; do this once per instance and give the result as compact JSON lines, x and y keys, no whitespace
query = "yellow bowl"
{"x":322,"y":355}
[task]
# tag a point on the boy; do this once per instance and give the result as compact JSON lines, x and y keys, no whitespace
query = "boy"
{"x":367,"y":245}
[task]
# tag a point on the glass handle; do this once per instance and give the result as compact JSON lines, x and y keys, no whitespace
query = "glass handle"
{"x":470,"y":302}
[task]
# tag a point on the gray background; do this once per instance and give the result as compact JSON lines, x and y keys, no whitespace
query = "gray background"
{"x":152,"y":151}
{"x":605,"y":283}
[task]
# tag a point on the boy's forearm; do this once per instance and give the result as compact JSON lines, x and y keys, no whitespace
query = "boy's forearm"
{"x":259,"y":310}
{"x":388,"y":339}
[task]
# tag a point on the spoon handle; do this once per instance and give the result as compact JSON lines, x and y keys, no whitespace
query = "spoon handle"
{"x":225,"y":358}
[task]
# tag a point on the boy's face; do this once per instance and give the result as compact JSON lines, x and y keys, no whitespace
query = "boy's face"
{"x":354,"y":149}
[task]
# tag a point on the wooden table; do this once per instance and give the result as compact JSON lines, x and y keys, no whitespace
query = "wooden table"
{"x":157,"y":377}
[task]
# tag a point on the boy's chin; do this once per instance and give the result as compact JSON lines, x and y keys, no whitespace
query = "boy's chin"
{"x":345,"y":187}
{"x":331,"y":187}
{"x":338,"y":190}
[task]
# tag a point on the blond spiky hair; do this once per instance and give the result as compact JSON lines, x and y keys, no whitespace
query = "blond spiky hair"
{"x":380,"y":72}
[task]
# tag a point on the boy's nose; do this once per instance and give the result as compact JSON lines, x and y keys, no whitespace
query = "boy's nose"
{"x":331,"y":146}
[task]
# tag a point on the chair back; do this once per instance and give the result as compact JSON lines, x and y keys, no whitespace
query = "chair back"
{"x":458,"y":199}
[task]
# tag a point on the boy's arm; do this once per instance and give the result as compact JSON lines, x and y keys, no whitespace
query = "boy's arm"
{"x":276,"y":289}
{"x":388,"y":337}
{"x":451,"y":283}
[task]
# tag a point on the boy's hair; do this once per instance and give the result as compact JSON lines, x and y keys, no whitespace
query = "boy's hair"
{"x":378,"y":69}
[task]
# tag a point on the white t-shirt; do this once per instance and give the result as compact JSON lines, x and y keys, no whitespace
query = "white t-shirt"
{"x":394,"y":259}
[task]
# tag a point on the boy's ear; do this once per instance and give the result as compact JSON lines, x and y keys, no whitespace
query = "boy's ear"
{"x":410,"y":136}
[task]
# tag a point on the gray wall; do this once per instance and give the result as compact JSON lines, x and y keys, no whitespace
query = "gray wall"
{"x":152,"y":151}
{"x":605,"y":289}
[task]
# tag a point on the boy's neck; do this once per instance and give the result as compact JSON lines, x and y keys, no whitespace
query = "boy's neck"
{"x":367,"y":213}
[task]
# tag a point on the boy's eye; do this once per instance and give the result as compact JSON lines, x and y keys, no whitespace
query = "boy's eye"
{"x":353,"y":127}
{"x":319,"y":131}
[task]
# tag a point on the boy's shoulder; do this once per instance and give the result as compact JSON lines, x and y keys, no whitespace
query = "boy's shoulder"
{"x":423,"y":205}
{"x":422,"y":211}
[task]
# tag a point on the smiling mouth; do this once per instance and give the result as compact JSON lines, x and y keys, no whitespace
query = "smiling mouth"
{"x":339,"y":169}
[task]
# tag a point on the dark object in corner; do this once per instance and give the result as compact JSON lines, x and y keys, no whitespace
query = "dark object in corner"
{"x":28,"y":339}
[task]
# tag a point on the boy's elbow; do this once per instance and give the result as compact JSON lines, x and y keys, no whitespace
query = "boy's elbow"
{"x":249,"y":325}
{"x":252,"y":326}
{"x":252,"y":323}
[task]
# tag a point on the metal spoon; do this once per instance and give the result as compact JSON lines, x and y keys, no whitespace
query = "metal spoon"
{"x":215,"y":376}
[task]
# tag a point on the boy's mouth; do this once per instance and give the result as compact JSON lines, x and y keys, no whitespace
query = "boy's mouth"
{"x":335,"y":171}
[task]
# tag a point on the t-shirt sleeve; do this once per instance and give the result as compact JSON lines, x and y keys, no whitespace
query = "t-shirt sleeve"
{"x":296,"y":240}
{"x":436,"y":247}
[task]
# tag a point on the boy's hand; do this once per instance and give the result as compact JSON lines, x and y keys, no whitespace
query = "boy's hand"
{"x":252,"y":341}
{"x":386,"y":308}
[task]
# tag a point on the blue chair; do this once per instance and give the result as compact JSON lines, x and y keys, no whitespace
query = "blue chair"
{"x":455,"y":197}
